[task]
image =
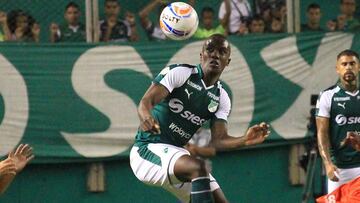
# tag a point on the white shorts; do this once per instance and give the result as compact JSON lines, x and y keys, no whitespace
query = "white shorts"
{"x":154,"y":163}
{"x":344,"y":175}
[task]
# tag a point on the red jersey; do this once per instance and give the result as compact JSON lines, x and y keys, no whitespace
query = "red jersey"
{"x":346,"y":193}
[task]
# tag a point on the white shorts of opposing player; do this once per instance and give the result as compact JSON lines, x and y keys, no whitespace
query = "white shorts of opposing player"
{"x":144,"y":163}
{"x":344,"y":175}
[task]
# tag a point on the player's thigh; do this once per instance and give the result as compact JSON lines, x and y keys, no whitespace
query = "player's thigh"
{"x":153,"y":163}
{"x":146,"y":169}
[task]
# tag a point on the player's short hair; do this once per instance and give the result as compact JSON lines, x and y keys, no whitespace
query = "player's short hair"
{"x":313,"y":6}
{"x":72,"y":4}
{"x":218,"y":38}
{"x":348,"y":52}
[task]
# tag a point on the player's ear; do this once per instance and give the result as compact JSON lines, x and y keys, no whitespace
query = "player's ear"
{"x":337,"y":69}
{"x":228,"y":61}
{"x":200,"y":56}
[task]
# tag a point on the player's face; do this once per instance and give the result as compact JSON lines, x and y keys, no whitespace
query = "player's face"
{"x":348,"y":68}
{"x":215,"y":55}
{"x":112,"y":9}
{"x":72,"y":15}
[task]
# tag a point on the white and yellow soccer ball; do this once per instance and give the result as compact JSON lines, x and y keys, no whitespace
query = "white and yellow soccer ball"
{"x":179,"y":21}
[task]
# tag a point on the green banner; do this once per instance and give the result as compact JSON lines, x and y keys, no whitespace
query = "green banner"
{"x":77,"y":101}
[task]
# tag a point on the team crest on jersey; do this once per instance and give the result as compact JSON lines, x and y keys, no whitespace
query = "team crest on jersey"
{"x":213,"y":106}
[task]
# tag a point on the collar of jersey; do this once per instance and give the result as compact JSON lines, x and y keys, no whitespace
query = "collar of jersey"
{"x":201,"y":74}
{"x":74,"y":28}
{"x":200,"y":71}
{"x":347,"y":92}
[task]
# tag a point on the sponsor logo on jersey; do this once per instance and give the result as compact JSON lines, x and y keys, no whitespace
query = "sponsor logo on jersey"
{"x":341,"y":104}
{"x":341,"y":98}
{"x":188,"y":93}
{"x":213,"y":96}
{"x":342,"y":120}
{"x":213,"y":106}
{"x":177,"y":106}
{"x":178,"y":130}
{"x":196,"y":86}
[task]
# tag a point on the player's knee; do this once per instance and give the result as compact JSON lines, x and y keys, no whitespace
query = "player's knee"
{"x":200,"y":169}
{"x":188,"y":168}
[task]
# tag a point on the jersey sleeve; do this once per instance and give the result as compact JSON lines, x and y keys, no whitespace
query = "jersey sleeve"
{"x":323,"y":105}
{"x":224,"y":106}
{"x":173,"y":78}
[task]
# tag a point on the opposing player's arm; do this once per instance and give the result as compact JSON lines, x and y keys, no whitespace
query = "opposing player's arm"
{"x":16,"y":161}
{"x":221,"y":140}
{"x":152,"y":96}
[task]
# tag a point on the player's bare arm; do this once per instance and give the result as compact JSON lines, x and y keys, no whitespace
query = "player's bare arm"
{"x":322,"y":124}
{"x":15,"y":163}
{"x":221,"y":140}
{"x":152,"y":96}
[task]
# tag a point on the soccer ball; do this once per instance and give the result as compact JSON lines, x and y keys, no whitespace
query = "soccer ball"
{"x":179,"y":21}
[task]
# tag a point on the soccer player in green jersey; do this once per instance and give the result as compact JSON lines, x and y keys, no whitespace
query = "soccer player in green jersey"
{"x":338,"y":116}
{"x":180,"y":100}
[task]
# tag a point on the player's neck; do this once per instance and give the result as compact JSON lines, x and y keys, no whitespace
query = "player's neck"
{"x":350,"y":87}
{"x":210,"y":79}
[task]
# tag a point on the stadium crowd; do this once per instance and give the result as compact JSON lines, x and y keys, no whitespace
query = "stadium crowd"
{"x":235,"y":17}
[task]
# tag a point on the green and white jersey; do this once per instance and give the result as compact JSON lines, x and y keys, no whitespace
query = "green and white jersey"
{"x":188,"y":106}
{"x":68,"y":33}
{"x":343,"y":110}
